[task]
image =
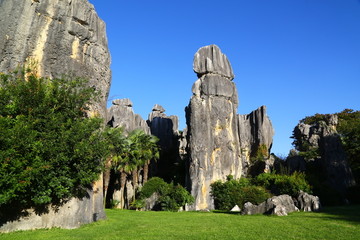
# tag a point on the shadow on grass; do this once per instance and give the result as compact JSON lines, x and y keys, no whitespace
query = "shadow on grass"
{"x":344,"y":213}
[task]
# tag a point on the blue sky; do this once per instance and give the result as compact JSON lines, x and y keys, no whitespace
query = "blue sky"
{"x":297,"y":57}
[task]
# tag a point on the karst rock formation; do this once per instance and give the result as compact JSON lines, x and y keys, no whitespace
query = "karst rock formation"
{"x":57,"y":37}
{"x":331,"y":164}
{"x":220,"y":142}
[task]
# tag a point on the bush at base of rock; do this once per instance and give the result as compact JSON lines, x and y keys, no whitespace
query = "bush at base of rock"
{"x":236,"y":192}
{"x":156,"y":194}
{"x":283,"y":184}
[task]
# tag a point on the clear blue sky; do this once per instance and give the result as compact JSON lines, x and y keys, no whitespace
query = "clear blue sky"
{"x":297,"y":57}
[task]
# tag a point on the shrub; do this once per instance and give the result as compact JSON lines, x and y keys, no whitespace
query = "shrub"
{"x":49,"y":150}
{"x":283,"y":184}
{"x":236,"y":192}
{"x":172,"y":197}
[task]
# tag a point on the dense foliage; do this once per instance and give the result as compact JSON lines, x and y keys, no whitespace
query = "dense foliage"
{"x":49,"y":150}
{"x":279,"y":184}
{"x":237,"y":192}
{"x":171,"y":197}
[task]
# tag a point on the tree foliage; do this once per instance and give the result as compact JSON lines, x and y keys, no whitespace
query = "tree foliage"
{"x":50,"y":150}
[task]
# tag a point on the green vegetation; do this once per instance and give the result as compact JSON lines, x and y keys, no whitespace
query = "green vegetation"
{"x":237,"y":192}
{"x":256,"y":190}
{"x":283,"y":184}
{"x":332,"y":223}
{"x":49,"y":149}
{"x":171,"y":197}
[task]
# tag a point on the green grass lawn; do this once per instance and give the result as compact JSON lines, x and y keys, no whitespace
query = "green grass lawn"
{"x":332,"y":223}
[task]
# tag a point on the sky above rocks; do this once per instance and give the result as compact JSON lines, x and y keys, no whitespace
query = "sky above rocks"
{"x":296,"y":57}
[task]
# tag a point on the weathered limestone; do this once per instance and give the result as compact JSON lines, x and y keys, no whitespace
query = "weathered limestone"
{"x":307,"y":202}
{"x":213,"y":140}
{"x":57,"y":37}
{"x":256,"y":136}
{"x":121,"y":114}
{"x":331,"y":162}
{"x":278,"y":205}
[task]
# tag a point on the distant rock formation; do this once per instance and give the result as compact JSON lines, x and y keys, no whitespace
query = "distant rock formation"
{"x":121,"y":114}
{"x":220,"y":142}
{"x":165,"y":128}
{"x":213,"y":140}
{"x":331,"y":163}
{"x":256,"y":137}
{"x":58,"y":37}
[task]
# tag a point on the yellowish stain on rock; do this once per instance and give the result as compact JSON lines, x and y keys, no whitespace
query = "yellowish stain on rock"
{"x":75,"y":49}
{"x":214,"y":155}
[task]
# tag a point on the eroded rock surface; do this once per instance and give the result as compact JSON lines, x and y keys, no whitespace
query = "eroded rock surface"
{"x":213,"y":140}
{"x":57,"y":37}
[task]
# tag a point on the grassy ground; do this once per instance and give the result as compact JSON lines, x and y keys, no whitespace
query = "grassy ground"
{"x":332,"y":223}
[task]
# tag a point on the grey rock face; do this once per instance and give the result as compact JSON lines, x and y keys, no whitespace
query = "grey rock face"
{"x":307,"y":202}
{"x":278,"y":205}
{"x":255,"y":134}
{"x":210,"y":59}
{"x":213,"y":141}
{"x":58,"y":37}
{"x":121,"y":114}
{"x":332,"y":162}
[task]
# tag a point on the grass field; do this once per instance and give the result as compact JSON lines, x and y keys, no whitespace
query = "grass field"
{"x":332,"y":223}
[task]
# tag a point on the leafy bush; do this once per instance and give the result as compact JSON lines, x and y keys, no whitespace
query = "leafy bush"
{"x":236,"y":192}
{"x":172,"y":197}
{"x":49,"y":150}
{"x":283,"y":184}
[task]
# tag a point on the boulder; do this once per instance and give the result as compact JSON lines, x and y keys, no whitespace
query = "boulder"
{"x":307,"y":202}
{"x":210,"y":60}
{"x":236,"y":208}
{"x":278,"y":205}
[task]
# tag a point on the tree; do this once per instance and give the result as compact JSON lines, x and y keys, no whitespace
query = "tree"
{"x":50,"y":150}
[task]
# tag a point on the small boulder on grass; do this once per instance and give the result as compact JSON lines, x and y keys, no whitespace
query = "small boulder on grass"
{"x":236,"y":208}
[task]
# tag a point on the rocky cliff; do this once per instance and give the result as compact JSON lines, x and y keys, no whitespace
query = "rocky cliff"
{"x":57,"y":37}
{"x":213,"y":140}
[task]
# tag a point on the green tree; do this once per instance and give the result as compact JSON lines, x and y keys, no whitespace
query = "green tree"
{"x":50,"y":150}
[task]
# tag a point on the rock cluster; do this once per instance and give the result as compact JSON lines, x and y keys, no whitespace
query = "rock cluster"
{"x":331,"y":162}
{"x":283,"y":204}
{"x":219,"y":141}
{"x":57,"y":37}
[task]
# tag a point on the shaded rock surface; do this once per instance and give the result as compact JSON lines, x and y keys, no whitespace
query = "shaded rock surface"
{"x":256,"y":137}
{"x":213,"y":141}
{"x":331,"y":164}
{"x":169,"y":166}
{"x":54,"y":38}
